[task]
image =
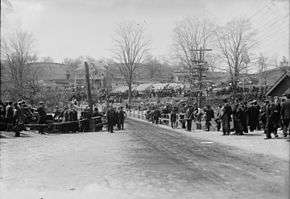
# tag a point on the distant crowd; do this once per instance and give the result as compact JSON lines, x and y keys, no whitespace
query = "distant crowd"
{"x":239,"y":117}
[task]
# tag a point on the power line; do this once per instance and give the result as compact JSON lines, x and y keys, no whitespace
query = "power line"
{"x":275,"y":23}
{"x":272,"y":21}
{"x":253,"y":10}
{"x":271,"y":36}
{"x":258,"y":11}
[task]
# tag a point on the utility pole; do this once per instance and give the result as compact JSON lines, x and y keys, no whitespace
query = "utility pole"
{"x":92,"y":122}
{"x":88,"y":87}
{"x":0,"y":59}
{"x":199,"y":69}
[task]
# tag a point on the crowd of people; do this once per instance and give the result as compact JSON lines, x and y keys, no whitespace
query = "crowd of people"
{"x":239,"y":117}
{"x":16,"y":116}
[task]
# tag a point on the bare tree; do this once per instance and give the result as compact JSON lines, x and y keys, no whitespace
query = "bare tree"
{"x":190,"y":35}
{"x":153,"y":66}
{"x":235,"y":41}
{"x":130,"y":48}
{"x":17,"y":55}
{"x":262,"y":69}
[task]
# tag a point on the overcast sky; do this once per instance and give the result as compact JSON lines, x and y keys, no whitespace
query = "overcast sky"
{"x":70,"y":28}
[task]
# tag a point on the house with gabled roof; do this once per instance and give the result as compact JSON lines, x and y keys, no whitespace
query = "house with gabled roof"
{"x":281,"y":86}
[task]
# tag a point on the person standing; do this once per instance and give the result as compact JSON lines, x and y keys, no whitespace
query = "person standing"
{"x":276,"y":117}
{"x":73,"y":117}
{"x":235,"y":117}
{"x":9,"y":116}
{"x":253,"y":114}
{"x":42,"y":116}
{"x":173,"y":118}
{"x":218,"y":118}
{"x":238,"y":119}
{"x":263,"y":115}
{"x":2,"y":117}
{"x":156,"y":115}
{"x":226,"y":118}
{"x":111,"y":119}
{"x":18,"y":120}
{"x":270,"y":120}
{"x":85,"y":117}
{"x":285,"y":115}
{"x":98,"y":116}
{"x":182,"y":119}
{"x":244,"y":118}
{"x":209,"y":115}
{"x":189,"y":117}
{"x":121,"y":115}
{"x":198,"y":113}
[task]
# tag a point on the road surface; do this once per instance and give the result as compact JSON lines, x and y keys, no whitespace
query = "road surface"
{"x":143,"y":161}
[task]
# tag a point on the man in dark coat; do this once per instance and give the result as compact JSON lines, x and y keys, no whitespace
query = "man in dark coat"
{"x":85,"y":116}
{"x":285,"y":115}
{"x":189,"y":117}
{"x":182,"y":119}
{"x":244,"y":118}
{"x":98,"y":116}
{"x":121,"y":118}
{"x":2,"y":117}
{"x":18,"y":120}
{"x":226,"y":118}
{"x":271,"y":120}
{"x":73,"y":117}
{"x":111,"y":119}
{"x":237,"y":114}
{"x":9,"y":116}
{"x":276,"y":117}
{"x":42,"y":116}
{"x":173,"y":118}
{"x":209,"y":115}
{"x":253,"y":114}
{"x":156,"y":115}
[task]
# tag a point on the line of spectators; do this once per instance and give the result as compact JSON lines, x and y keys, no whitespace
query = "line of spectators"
{"x":239,"y":117}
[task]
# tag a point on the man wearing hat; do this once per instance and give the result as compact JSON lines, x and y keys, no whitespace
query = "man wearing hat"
{"x":121,"y":118}
{"x":9,"y":115}
{"x":226,"y":117}
{"x":42,"y":116}
{"x":285,"y":115}
{"x":111,"y":119}
{"x":253,"y":114}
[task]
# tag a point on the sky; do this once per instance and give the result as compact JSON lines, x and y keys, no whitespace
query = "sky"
{"x":72,"y":28}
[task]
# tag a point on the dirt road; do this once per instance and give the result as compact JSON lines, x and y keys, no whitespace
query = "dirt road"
{"x":144,"y":161}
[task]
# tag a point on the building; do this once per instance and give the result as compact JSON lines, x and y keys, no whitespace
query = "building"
{"x":281,"y":86}
{"x":53,"y":74}
{"x":97,"y":76}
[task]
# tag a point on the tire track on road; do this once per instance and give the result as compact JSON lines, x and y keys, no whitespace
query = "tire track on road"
{"x":214,"y":160}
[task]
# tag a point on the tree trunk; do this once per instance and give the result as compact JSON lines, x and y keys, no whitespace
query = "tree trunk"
{"x":130,"y":94}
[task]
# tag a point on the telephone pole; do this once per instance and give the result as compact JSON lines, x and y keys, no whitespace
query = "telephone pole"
{"x":199,"y":68}
{"x":88,"y":87}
